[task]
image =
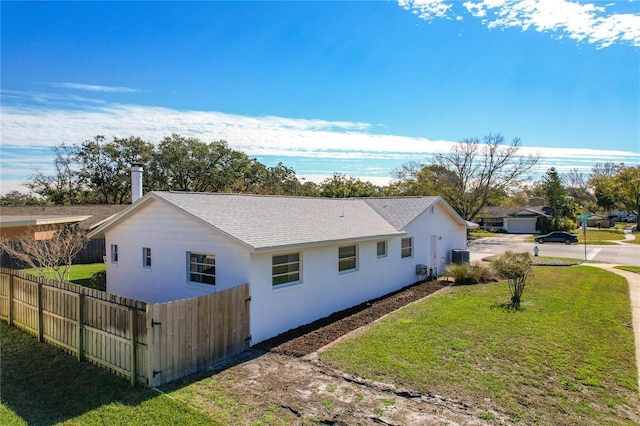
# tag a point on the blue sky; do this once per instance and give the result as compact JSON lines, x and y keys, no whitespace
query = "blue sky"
{"x":351,"y":87}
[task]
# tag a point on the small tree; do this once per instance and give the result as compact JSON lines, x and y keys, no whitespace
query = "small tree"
{"x":50,"y":258}
{"x":515,"y":267}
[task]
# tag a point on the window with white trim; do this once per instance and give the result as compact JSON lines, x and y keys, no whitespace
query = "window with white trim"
{"x":285,"y":269}
{"x":146,"y":257}
{"x":114,"y":253}
{"x":202,"y":268}
{"x":406,"y":249}
{"x":381,"y":249}
{"x":347,"y":258}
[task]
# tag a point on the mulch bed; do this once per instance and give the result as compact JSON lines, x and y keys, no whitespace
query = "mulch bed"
{"x":307,"y":339}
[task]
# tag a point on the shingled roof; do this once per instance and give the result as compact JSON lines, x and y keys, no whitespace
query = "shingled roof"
{"x":269,"y":222}
{"x":501,"y":212}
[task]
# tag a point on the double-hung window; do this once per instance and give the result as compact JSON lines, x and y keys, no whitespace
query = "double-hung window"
{"x":347,"y":258}
{"x":406,"y":249}
{"x":202,"y":268}
{"x":114,"y":253}
{"x":146,"y":257}
{"x":285,"y":269}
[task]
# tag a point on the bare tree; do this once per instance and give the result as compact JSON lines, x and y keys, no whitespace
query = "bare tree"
{"x":482,"y":169}
{"x":51,"y":257}
{"x":578,"y":187}
{"x":63,"y":186}
{"x":607,"y":169}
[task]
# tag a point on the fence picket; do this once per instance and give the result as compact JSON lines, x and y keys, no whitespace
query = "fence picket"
{"x":152,"y":343}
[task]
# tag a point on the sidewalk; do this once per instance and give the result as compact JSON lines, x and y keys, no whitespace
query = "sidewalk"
{"x":634,"y":293}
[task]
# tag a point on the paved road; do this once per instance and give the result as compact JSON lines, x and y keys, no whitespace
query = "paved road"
{"x":622,"y":253}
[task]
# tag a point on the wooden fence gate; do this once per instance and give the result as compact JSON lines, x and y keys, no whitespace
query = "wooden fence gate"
{"x":150,"y":344}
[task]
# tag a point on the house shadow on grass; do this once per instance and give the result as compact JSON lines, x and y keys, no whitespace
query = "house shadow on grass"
{"x":44,"y":385}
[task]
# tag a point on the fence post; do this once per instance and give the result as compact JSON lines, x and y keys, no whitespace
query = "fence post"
{"x":40,"y":316}
{"x":134,"y":337}
{"x":150,"y":345}
{"x":80,"y":313}
{"x":10,"y":306}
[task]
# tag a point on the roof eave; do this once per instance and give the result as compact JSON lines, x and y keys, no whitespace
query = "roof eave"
{"x":43,"y":221}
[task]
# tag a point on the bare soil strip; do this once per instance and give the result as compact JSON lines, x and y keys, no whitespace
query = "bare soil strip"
{"x":309,"y":338}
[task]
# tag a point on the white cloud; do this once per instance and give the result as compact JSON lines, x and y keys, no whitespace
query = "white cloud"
{"x":314,"y":148}
{"x":94,"y":88}
{"x":427,"y":9}
{"x":28,"y":126}
{"x":585,"y":22}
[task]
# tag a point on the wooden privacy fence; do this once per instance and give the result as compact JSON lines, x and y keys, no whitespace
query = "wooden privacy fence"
{"x":150,"y":344}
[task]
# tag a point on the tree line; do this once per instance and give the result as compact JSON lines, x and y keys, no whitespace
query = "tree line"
{"x":474,"y":174}
{"x":97,"y":171}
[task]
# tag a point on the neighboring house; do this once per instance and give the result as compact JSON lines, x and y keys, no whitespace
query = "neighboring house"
{"x":304,"y":258}
{"x":514,"y":220}
{"x":13,"y":228}
{"x":598,"y":221}
{"x":42,"y":221}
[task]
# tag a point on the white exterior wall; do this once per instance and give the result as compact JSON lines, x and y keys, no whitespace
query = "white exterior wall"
{"x":169,"y":234}
{"x":436,"y":224}
{"x":323,"y":290}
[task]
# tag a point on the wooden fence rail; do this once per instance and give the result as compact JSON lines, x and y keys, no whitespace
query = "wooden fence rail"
{"x":150,"y":344}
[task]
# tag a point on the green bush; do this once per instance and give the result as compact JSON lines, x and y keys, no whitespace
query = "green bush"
{"x":544,"y":225}
{"x":99,"y":281}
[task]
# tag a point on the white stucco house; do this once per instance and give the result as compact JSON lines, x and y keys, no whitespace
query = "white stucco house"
{"x":303,"y":258}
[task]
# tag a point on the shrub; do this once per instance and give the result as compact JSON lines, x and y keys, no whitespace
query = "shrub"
{"x":464,"y":274}
{"x":99,"y":281}
{"x":515,"y":267}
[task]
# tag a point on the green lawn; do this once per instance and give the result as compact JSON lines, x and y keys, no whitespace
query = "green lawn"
{"x":79,"y":274}
{"x":42,"y":385}
{"x":545,"y":260}
{"x":599,"y":236}
{"x":566,"y":358}
{"x":635,"y":269}
{"x":481,"y":233}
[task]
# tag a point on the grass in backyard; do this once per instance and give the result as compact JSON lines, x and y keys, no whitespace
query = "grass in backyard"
{"x":79,"y":274}
{"x":563,"y":359}
{"x":42,"y":385}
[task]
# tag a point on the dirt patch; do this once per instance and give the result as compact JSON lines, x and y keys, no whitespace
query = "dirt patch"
{"x":309,"y":338}
{"x":282,"y":382}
